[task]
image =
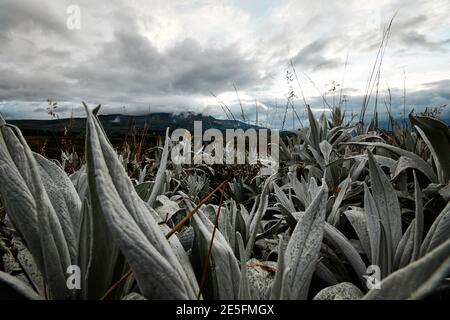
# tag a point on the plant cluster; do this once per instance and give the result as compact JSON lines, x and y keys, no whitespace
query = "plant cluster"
{"x":343,"y":203}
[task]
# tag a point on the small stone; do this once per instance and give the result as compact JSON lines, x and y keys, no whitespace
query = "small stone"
{"x":340,"y":291}
{"x":260,"y":277}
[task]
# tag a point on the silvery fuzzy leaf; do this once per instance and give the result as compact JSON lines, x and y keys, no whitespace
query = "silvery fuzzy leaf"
{"x":381,"y":160}
{"x":98,"y":255}
{"x":324,"y":273}
{"x":80,"y":181}
{"x":357,"y":169}
{"x":420,"y":164}
{"x":403,"y":254}
{"x":336,"y":139}
{"x":313,"y":172}
{"x":341,"y":291}
{"x":64,"y":199}
{"x":209,"y":210}
{"x":303,"y":248}
{"x":436,"y":135}
{"x":388,"y":207}
{"x":445,"y":192}
{"x":14,"y":289}
{"x":402,"y":184}
{"x":168,"y":207}
{"x":241,"y":221}
{"x":86,"y":256}
{"x":10,"y":265}
{"x":404,"y":163}
{"x":134,"y":296}
{"x":335,"y":237}
{"x":323,"y":127}
{"x":358,"y":221}
{"x":157,"y":270}
{"x":266,"y":247}
{"x":244,"y":291}
{"x":326,"y":149}
{"x":313,"y":189}
{"x":30,"y":209}
{"x":160,"y":175}
{"x":314,"y":130}
{"x":335,"y":131}
{"x":269,"y":232}
{"x":285,"y":153}
{"x":418,"y":231}
{"x":320,"y":161}
{"x":335,"y":262}
{"x":224,"y":268}
{"x":276,"y":292}
{"x":364,"y":137}
{"x":186,"y":237}
{"x":144,"y":189}
{"x":439,"y":231}
{"x":338,"y":240}
{"x":28,"y":264}
{"x":227,"y":225}
{"x":283,"y":199}
{"x":373,"y":226}
{"x":300,"y":188}
{"x":178,"y":249}
{"x":417,"y":279}
{"x":355,"y":189}
{"x":333,"y":218}
{"x":260,"y":211}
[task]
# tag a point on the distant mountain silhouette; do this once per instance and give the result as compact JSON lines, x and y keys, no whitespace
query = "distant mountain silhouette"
{"x":119,"y":124}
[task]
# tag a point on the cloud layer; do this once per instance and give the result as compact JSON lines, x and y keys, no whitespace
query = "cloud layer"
{"x":175,"y":55}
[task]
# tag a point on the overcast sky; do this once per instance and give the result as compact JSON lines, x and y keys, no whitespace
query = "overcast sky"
{"x":136,"y":56}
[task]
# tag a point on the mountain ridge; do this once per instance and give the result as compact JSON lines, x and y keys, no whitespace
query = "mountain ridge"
{"x":122,"y":123}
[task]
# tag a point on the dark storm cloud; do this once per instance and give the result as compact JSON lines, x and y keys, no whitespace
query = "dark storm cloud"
{"x":312,"y":57}
{"x":442,"y":84}
{"x":404,"y":34}
{"x":212,"y":69}
{"x":434,"y":94}
{"x":16,"y":85}
{"x":128,"y":66}
{"x":413,"y":38}
{"x":29,"y":15}
{"x":131,"y":64}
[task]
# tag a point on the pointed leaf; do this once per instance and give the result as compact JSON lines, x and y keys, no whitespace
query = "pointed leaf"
{"x":303,"y":248}
{"x":437,"y":137}
{"x":417,"y":279}
{"x":156,"y":268}
{"x":388,"y":207}
{"x":14,"y":289}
